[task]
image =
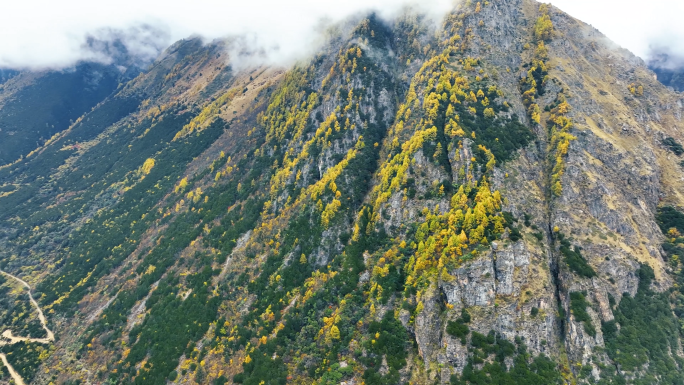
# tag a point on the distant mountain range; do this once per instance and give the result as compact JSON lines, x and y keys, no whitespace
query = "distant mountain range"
{"x":668,"y":68}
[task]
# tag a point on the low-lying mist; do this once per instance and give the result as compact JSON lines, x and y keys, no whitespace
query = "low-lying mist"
{"x":48,"y":34}
{"x":40,"y":34}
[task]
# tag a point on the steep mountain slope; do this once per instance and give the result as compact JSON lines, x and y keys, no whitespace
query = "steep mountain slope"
{"x":37,"y":105}
{"x":7,"y":74}
{"x":670,"y":77}
{"x":492,"y":200}
{"x":668,"y":69}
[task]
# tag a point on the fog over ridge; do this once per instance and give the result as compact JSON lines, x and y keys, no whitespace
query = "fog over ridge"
{"x":48,"y":34}
{"x":45,"y":34}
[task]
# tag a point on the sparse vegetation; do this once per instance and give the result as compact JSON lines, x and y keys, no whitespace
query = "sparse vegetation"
{"x":574,"y":259}
{"x":673,"y":146}
{"x":578,"y":309}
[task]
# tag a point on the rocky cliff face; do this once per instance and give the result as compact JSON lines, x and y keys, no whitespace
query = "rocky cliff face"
{"x":491,"y":200}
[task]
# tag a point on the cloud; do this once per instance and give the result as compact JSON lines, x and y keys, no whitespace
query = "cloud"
{"x":136,"y":45}
{"x":643,"y":27}
{"x":53,"y":34}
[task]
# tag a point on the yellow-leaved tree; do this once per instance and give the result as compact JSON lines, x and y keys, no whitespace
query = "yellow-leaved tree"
{"x":147,"y":166}
{"x":335,"y":332}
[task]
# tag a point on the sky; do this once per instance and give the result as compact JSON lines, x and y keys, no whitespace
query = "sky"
{"x":640,"y":26}
{"x":39,"y":34}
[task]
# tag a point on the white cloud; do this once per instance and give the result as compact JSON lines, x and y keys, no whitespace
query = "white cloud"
{"x":49,"y":33}
{"x":635,"y":25}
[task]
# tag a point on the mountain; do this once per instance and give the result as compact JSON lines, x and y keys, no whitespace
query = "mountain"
{"x":493,"y":200}
{"x":671,"y":77}
{"x":37,"y":105}
{"x":7,"y":74}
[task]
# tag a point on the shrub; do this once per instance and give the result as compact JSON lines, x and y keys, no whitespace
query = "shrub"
{"x":673,"y":146}
{"x":574,"y":259}
{"x":578,"y":307}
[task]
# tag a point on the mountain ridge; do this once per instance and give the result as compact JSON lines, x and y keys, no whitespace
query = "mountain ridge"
{"x":493,"y":199}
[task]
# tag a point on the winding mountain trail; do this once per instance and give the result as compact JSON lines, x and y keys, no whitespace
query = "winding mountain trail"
{"x":9,"y":339}
{"x":17,"y":378}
